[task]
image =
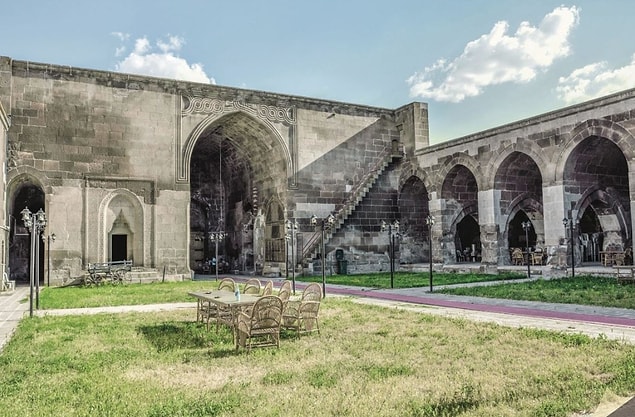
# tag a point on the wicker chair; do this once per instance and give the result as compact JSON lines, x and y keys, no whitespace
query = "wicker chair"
{"x":302,"y":315}
{"x":268,"y":289}
{"x":227,"y":284}
{"x":252,"y":286}
{"x":261,"y":326}
{"x":207,"y":311}
{"x":518,"y":258}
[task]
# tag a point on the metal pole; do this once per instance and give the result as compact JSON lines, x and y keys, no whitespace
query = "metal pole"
{"x":323,"y":264}
{"x":293,"y":255}
{"x":36,"y":256}
{"x":391,"y":251}
{"x":430,"y":252}
{"x":526,"y":226}
{"x":48,"y":260}
{"x":216,"y":256}
{"x":31,"y":267}
{"x":572,"y":252}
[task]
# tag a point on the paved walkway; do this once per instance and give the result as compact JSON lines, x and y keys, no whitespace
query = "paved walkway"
{"x":612,"y":323}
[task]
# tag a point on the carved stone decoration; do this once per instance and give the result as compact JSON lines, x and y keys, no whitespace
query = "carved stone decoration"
{"x":12,"y":154}
{"x":205,"y":105}
{"x":142,"y":188}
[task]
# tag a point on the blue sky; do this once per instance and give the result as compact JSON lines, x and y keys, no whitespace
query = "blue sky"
{"x":477,"y":63}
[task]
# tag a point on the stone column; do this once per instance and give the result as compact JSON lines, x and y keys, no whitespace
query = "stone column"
{"x":553,"y":211}
{"x":434,"y":206}
{"x":488,"y":220}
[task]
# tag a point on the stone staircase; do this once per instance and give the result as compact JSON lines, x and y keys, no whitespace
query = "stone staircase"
{"x":388,"y":155}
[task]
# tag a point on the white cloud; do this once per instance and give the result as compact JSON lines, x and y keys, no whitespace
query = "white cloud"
{"x":595,"y":80}
{"x":165,"y":63}
{"x":497,"y":58}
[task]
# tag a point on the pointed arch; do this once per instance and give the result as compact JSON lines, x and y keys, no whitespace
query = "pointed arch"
{"x":601,"y":128}
{"x":277,"y":144}
{"x":468,"y":162}
{"x":122,"y":204}
{"x":522,"y":146}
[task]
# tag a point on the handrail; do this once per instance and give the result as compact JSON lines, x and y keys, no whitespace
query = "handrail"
{"x":351,"y":200}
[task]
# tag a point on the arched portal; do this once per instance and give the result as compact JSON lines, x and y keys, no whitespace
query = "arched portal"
{"x":31,"y":196}
{"x":468,"y":240}
{"x":519,"y":183}
{"x":462,"y":238}
{"x":413,"y":210}
{"x":519,"y":237}
{"x":235,"y":162}
{"x":596,"y":184}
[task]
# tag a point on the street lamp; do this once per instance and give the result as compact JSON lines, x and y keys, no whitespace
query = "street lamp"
{"x":49,"y":238}
{"x":526,"y":226}
{"x":216,"y":237}
{"x":430,"y":223}
{"x":568,"y":223}
{"x":330,"y":221}
{"x":35,"y":223}
{"x":393,"y":230}
{"x":292,"y":228}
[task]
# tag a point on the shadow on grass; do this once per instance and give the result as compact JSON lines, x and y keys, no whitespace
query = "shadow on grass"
{"x":187,"y":335}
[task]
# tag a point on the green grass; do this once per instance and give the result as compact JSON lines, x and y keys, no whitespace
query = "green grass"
{"x":118,"y":295}
{"x":585,"y":290}
{"x":410,"y":279}
{"x":367,"y":361}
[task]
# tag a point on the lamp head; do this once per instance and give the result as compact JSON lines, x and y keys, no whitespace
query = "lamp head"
{"x":395,"y":226}
{"x":330,"y":219}
{"x":26,"y":214}
{"x":313,"y":220}
{"x":384,"y":226}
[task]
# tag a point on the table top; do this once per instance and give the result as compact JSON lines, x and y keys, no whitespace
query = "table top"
{"x":224,"y":297}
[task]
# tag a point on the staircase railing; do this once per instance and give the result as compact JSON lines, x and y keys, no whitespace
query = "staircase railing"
{"x":350,"y":203}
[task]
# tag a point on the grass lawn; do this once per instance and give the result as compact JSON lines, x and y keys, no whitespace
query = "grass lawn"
{"x":367,"y":361}
{"x":410,"y":279}
{"x":585,"y":290}
{"x":169,"y":292}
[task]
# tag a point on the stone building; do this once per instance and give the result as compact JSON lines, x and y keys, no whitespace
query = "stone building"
{"x":177,"y":175}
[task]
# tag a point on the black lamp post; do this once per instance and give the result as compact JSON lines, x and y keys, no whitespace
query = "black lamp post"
{"x":328,"y":222}
{"x":430,"y":223}
{"x":526,"y":226}
{"x":50,"y":239}
{"x":568,"y":223}
{"x":35,"y":223}
{"x":292,"y":228}
{"x":393,"y":230}
{"x":216,"y":237}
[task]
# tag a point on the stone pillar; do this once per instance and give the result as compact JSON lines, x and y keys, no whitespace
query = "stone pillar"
{"x":488,"y":220}
{"x":414,"y":131}
{"x":553,"y":211}
{"x":434,"y":206}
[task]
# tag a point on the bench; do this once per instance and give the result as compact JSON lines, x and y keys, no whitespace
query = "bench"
{"x":625,"y":274}
{"x":7,"y":285}
{"x":115,"y":272}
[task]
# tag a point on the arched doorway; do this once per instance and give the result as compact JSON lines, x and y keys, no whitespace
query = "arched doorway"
{"x":236,"y":162}
{"x":468,"y":240}
{"x":31,"y":196}
{"x":597,"y":198}
{"x":590,"y":235}
{"x":460,"y":192}
{"x":517,"y":237}
{"x":413,"y":209}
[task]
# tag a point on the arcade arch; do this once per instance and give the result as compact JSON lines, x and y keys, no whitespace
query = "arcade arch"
{"x":413,"y":204}
{"x":596,"y":197}
{"x":235,"y":162}
{"x":461,"y":234}
{"x":25,"y":192}
{"x":518,"y":182}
